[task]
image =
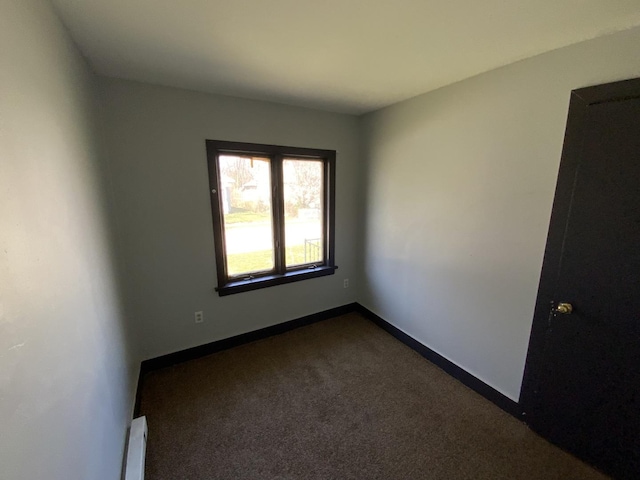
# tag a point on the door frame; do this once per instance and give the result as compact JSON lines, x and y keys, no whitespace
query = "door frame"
{"x":581,"y":100}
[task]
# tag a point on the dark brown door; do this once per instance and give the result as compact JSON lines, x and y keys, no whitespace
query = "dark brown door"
{"x":582,"y":380}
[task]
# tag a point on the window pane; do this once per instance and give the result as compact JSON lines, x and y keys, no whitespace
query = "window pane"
{"x":303,"y":211}
{"x":245,"y":184}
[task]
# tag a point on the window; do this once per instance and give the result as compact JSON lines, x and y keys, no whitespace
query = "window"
{"x":273,"y":214}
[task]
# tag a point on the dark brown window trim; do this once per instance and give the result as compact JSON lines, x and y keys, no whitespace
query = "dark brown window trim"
{"x":272,"y":280}
{"x":228,"y":285}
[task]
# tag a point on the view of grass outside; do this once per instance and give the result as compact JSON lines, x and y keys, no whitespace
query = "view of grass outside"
{"x":240,"y":263}
{"x":241,"y":216}
{"x":256,"y":261}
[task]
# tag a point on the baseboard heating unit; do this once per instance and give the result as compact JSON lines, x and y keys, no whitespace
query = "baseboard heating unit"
{"x":136,"y":450}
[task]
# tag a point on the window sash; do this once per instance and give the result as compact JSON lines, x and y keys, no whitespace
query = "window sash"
{"x":291,"y":188}
{"x":223,"y":216}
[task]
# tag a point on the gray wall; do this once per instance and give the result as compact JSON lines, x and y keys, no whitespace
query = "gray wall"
{"x":460,"y":187}
{"x":156,"y":139}
{"x":66,"y":378}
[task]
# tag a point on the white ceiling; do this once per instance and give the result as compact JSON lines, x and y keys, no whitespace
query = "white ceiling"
{"x":349,"y":56}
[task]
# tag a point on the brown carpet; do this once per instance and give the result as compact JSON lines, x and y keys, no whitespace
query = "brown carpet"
{"x":340,"y":399}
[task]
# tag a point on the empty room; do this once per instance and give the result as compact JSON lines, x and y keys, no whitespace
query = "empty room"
{"x":245,"y":239}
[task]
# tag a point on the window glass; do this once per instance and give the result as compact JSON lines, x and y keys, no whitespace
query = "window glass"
{"x":245,"y":184}
{"x":303,"y":211}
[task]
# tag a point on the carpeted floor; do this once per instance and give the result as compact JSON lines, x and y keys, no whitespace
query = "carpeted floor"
{"x":340,"y":399}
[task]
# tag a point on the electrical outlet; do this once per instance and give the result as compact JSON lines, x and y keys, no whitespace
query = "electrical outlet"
{"x":346,"y":283}
{"x":199,"y":317}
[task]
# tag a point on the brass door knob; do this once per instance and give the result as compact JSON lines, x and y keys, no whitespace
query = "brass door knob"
{"x":564,"y":308}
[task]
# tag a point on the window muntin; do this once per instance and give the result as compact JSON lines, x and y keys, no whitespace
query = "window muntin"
{"x":273,"y":214}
